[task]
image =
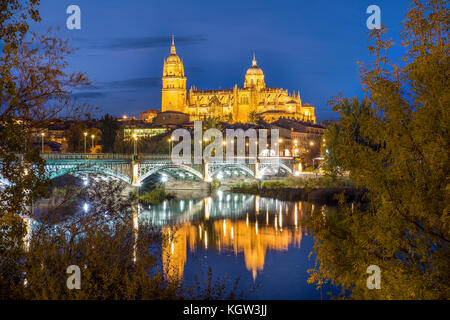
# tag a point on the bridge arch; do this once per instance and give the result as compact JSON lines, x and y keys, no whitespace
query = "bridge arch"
{"x":182,"y":167}
{"x":275,"y":166}
{"x":242,"y":167}
{"x":90,"y":169}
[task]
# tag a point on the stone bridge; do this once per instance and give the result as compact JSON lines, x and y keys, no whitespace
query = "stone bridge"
{"x":135,"y":169}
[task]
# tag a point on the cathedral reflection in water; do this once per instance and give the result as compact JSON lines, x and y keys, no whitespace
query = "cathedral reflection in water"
{"x":226,"y":222}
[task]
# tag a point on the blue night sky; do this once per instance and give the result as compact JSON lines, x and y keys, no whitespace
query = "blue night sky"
{"x":310,"y":46}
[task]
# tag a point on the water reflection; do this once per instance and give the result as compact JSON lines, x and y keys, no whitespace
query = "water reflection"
{"x":226,"y":222}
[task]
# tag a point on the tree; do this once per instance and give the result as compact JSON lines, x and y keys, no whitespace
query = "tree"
{"x":395,"y":144}
{"x":34,"y":88}
{"x":253,"y":117}
{"x":109,"y":127}
{"x":75,"y":137}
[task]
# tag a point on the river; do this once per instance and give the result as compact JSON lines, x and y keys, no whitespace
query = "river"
{"x":261,"y":241}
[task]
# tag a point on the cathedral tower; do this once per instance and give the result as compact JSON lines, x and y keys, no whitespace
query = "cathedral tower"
{"x":174,"y":83}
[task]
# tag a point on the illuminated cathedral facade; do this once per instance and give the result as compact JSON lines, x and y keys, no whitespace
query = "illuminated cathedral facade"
{"x":231,"y":105}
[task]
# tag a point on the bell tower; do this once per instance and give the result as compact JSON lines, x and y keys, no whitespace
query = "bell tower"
{"x":173,"y":96}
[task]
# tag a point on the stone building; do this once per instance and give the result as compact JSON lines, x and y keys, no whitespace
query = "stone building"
{"x":231,"y":105}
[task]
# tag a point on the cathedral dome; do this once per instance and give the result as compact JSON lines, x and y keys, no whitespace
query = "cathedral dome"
{"x":173,"y":59}
{"x":254,"y":69}
{"x":254,"y":78}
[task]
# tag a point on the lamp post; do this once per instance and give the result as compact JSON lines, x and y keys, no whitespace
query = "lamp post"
{"x":85,"y":135}
{"x":92,"y":136}
{"x":135,"y":143}
{"x":42,"y":142}
{"x":280,"y":141}
{"x":170,"y":144}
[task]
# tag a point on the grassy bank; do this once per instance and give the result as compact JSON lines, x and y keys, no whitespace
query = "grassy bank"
{"x":320,"y":190}
{"x":155,"y":196}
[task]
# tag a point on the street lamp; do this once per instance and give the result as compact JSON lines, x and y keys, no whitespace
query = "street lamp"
{"x":135,"y":143}
{"x":42,"y":144}
{"x":92,"y":136}
{"x":295,"y":149}
{"x":280,"y":146}
{"x":170,"y":144}
{"x":85,"y":135}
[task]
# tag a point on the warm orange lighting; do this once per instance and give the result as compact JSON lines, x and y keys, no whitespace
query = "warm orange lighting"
{"x":174,"y":96}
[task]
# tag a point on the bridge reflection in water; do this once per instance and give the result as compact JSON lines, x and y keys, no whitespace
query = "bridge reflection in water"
{"x":224,"y":223}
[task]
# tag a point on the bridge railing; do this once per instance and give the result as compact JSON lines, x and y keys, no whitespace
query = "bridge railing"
{"x":85,"y":156}
{"x":114,"y":156}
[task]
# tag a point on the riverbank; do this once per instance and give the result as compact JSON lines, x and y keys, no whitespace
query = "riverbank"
{"x":320,"y":190}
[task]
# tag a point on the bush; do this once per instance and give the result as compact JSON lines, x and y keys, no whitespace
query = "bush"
{"x":155,"y":196}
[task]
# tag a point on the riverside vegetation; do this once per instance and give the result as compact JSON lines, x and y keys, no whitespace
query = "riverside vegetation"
{"x":324,"y":190}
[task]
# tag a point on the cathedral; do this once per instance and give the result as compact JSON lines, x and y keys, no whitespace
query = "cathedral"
{"x":230,"y":105}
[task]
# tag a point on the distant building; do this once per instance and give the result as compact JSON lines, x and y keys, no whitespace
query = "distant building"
{"x":148,"y":115}
{"x":141,"y":128}
{"x":171,"y":119}
{"x":297,"y":136}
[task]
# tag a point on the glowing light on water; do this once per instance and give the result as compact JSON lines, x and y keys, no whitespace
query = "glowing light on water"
{"x":295,"y":216}
{"x":182,"y":205}
{"x":281,"y":220}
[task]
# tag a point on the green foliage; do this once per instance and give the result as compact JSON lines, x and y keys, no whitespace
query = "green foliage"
{"x":109,"y":127}
{"x":155,"y":196}
{"x":148,"y":145}
{"x":254,"y":118}
{"x":273,"y":184}
{"x":311,"y":151}
{"x":395,"y":143}
{"x":75,"y":137}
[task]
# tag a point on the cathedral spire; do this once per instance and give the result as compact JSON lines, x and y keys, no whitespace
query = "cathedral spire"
{"x":172,"y":49}
{"x":254,"y":61}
